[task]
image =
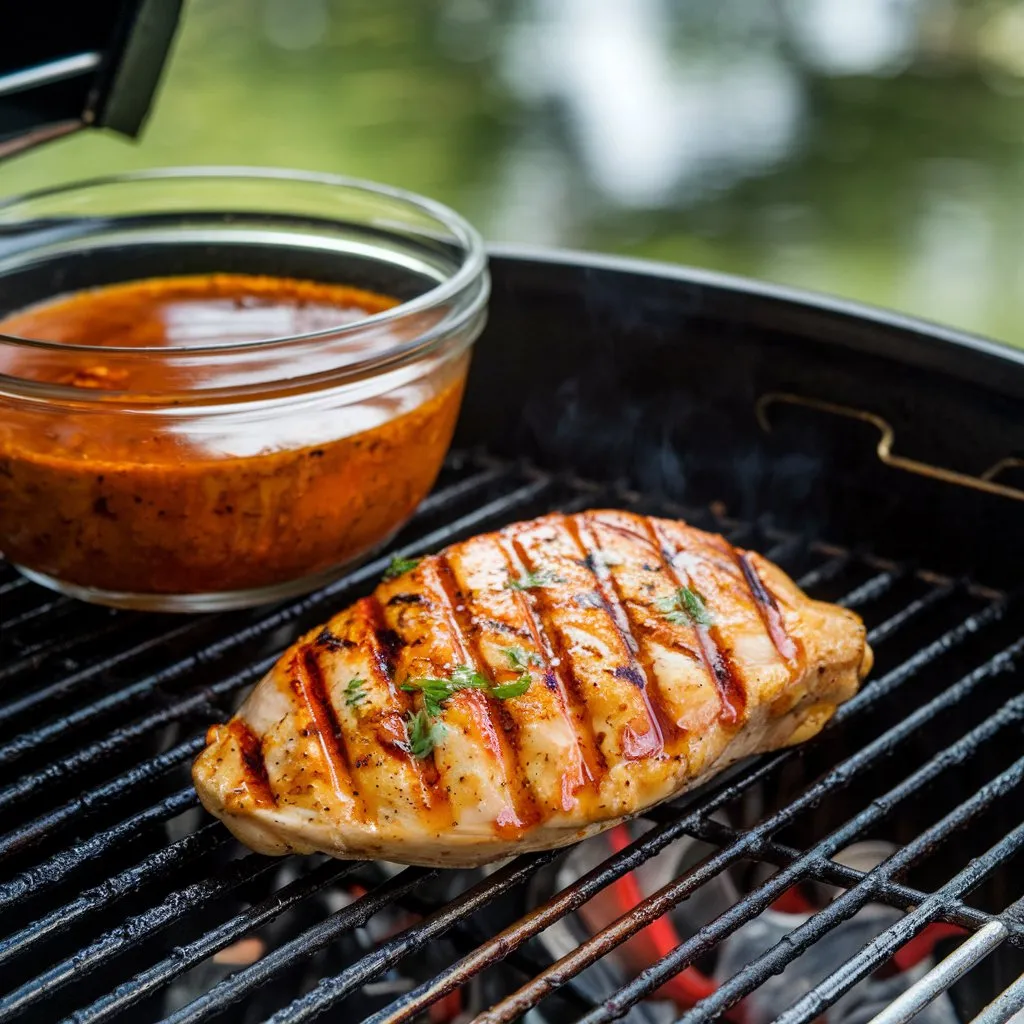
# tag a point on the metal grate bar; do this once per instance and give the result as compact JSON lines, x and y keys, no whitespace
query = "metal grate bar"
{"x":12,"y":586}
{"x":32,"y":655}
{"x":824,"y":869}
{"x":651,"y":843}
{"x":827,"y":571}
{"x":839,"y":777}
{"x":355,"y":915}
{"x":938,"y":980}
{"x":848,"y":903}
{"x":53,"y":731}
{"x":36,"y":831}
{"x":872,"y":589}
{"x":330,"y":990}
{"x":49,"y":608}
{"x":911,"y":611}
{"x":56,"y":868}
{"x":235,"y":928}
{"x":1004,"y":1006}
{"x":187,"y":691}
{"x":876,"y":689}
{"x":174,"y":907}
{"x":205,"y":840}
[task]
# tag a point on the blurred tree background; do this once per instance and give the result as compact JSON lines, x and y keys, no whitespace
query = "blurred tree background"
{"x":868,"y":148}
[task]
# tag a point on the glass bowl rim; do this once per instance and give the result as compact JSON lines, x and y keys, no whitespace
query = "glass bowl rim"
{"x":471,"y":268}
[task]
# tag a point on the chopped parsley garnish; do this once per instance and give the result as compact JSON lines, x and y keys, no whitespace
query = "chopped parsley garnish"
{"x":531,"y":580}
{"x":354,"y":692}
{"x":685,"y":607}
{"x":400,"y":566}
{"x":520,"y":659}
{"x":516,"y":688}
{"x":437,"y":691}
{"x":423,"y":732}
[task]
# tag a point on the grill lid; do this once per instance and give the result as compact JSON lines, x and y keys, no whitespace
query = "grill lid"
{"x":69,"y":66}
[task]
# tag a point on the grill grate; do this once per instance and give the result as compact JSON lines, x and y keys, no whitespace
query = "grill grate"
{"x":117,"y":896}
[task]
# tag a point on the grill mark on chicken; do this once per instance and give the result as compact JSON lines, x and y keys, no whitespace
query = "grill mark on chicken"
{"x":250,"y":747}
{"x":504,"y":725}
{"x":389,"y":726}
{"x":333,"y":642}
{"x":638,"y":671}
{"x":790,"y":648}
{"x":308,"y":683}
{"x":386,"y":644}
{"x":730,"y":688}
{"x":463,"y":643}
{"x":573,"y":707}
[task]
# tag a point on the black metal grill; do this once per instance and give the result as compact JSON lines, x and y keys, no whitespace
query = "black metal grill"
{"x":118,"y":894}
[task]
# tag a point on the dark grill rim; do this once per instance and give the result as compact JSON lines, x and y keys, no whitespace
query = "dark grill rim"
{"x":521,"y":487}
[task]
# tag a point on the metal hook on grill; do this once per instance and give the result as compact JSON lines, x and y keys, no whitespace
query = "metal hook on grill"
{"x":984,"y":482}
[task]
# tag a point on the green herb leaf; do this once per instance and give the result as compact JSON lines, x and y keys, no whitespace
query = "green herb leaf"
{"x":531,"y":580}
{"x":520,"y":659}
{"x":516,"y":688}
{"x":354,"y":693}
{"x":424,"y":733}
{"x":437,"y":691}
{"x":400,"y":566}
{"x":683,"y":607}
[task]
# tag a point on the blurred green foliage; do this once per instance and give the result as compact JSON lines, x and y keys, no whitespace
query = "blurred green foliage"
{"x":880,"y":158}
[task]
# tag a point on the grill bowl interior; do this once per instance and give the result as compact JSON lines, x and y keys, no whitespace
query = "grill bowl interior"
{"x":596,"y":385}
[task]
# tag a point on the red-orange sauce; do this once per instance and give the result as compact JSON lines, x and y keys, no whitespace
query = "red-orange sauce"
{"x":116,"y":501}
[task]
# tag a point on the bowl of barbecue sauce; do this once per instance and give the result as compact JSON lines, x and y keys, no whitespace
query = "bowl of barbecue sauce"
{"x":220,"y":387}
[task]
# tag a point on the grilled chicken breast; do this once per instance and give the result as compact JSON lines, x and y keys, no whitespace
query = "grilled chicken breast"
{"x":526,"y":689}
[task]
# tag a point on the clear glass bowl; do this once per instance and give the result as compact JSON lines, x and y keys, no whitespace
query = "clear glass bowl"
{"x":242,"y":472}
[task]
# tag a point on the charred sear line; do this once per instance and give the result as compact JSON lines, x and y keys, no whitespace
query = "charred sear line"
{"x":757,"y":587}
{"x":631,"y":674}
{"x":728,"y":682}
{"x":501,"y":722}
{"x":384,"y":641}
{"x":788,"y":647}
{"x":399,"y":599}
{"x":563,"y":681}
{"x":503,"y":627}
{"x":331,"y":641}
{"x":317,"y":690}
{"x":254,"y":764}
{"x":308,"y":682}
{"x":637,"y":673}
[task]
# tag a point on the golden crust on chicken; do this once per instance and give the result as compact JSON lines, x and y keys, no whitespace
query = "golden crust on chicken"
{"x":527,"y":688}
